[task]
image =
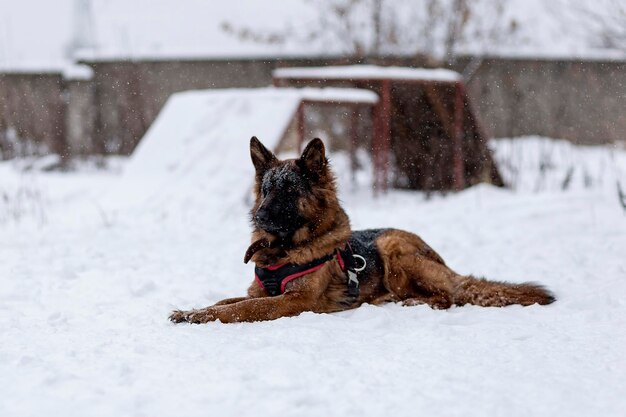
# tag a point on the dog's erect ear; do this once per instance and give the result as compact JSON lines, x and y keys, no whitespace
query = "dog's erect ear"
{"x":262,"y":158}
{"x":314,"y":157}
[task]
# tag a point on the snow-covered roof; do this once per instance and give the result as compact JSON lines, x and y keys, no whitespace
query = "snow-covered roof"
{"x":66,"y":70}
{"x":368,"y":72}
{"x":32,"y":68}
{"x":598,"y":55}
{"x":343,"y":95}
{"x":77,"y":72}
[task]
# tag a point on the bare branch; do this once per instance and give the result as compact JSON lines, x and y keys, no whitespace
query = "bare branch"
{"x":378,"y":27}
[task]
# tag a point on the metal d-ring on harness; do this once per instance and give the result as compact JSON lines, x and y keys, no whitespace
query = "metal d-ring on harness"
{"x":353,"y":270}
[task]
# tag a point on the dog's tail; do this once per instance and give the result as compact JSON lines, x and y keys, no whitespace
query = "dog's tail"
{"x":479,"y":291}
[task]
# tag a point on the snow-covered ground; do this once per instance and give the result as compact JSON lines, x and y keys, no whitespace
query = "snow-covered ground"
{"x":86,"y":288}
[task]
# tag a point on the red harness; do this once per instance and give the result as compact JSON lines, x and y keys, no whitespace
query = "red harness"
{"x":274,"y":278}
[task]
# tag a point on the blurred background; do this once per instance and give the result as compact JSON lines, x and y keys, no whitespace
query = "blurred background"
{"x":88,"y":77}
{"x":495,"y":129}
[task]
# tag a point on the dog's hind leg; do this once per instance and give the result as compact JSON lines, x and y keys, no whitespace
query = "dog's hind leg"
{"x":427,"y":282}
{"x":417,"y":276}
{"x":437,"y":302}
{"x":387,"y":298}
{"x":414,"y":272}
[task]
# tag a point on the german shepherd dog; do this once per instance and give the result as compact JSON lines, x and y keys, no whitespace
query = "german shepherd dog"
{"x":308,"y":259}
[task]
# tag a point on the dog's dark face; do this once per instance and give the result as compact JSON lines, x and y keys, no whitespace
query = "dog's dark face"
{"x":285,"y":189}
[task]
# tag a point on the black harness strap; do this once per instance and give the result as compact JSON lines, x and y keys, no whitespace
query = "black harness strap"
{"x":349,"y":266}
{"x":274,"y":278}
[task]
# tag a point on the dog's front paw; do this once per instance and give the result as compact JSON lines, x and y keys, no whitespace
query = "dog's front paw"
{"x":204,"y":315}
{"x":201,"y":316}
{"x":179,"y":316}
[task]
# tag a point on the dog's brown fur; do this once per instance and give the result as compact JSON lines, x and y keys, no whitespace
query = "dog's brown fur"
{"x":412,"y":272}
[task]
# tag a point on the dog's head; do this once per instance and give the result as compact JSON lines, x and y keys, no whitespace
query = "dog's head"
{"x":294,"y":195}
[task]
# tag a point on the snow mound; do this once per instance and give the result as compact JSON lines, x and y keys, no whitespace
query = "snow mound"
{"x":539,"y":164}
{"x":196,"y":152}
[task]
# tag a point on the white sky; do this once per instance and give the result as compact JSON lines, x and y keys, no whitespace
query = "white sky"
{"x":35,"y":33}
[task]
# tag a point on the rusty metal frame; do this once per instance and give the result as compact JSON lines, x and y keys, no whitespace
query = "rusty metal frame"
{"x":301,"y":120}
{"x":453,"y":123}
